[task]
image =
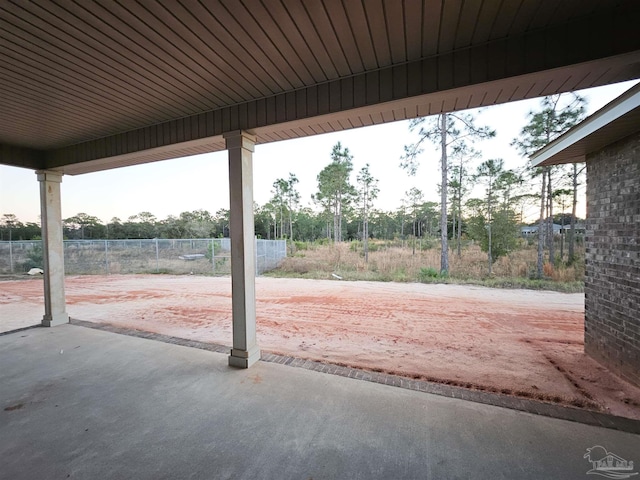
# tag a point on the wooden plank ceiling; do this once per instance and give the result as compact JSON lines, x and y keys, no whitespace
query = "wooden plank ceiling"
{"x":75,"y":72}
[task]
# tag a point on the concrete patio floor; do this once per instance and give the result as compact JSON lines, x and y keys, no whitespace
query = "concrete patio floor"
{"x":84,"y":403}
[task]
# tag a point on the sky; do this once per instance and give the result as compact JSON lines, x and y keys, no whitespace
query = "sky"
{"x":198,"y":182}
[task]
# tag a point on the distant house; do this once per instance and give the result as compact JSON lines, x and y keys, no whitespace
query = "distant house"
{"x":580,"y":228}
{"x":528,"y":231}
{"x":531,"y":230}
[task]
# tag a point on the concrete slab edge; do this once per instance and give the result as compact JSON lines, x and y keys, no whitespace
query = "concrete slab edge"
{"x":21,"y":329}
{"x":537,"y":407}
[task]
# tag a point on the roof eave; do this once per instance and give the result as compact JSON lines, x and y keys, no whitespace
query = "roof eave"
{"x":559,"y":151}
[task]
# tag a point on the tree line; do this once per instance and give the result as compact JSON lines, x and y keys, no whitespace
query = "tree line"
{"x":345,"y":207}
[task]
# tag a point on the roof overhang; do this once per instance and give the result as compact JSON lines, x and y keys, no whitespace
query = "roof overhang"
{"x":90,"y":85}
{"x":615,"y":121}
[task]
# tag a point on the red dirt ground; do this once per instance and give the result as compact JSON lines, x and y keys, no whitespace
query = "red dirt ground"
{"x":522,"y":342}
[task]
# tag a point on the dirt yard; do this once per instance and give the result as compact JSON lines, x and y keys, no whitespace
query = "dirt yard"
{"x":521,"y":342}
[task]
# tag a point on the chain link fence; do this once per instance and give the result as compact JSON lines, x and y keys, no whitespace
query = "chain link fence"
{"x":172,"y":256}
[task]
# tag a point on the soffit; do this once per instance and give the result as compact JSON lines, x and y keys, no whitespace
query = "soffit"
{"x":75,"y":72}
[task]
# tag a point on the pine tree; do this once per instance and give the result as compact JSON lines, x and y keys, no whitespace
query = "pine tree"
{"x":557,"y":115}
{"x":368,"y":191}
{"x":451,"y":132}
{"x":335,"y":191}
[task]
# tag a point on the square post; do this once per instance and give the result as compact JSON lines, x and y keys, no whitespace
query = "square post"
{"x":52,"y":249}
{"x":245,"y":351}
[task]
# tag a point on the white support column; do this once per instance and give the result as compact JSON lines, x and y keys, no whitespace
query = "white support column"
{"x":55,"y":312}
{"x":245,"y":351}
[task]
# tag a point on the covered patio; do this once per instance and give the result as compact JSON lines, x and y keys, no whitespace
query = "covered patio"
{"x":84,"y":403}
{"x":88,"y":86}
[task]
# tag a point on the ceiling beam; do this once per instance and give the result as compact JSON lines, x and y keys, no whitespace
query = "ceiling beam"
{"x":22,"y":157}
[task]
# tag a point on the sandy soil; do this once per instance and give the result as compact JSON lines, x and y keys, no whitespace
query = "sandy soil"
{"x":521,"y":342}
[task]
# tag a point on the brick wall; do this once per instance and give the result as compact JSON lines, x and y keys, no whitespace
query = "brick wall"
{"x":612,"y":284}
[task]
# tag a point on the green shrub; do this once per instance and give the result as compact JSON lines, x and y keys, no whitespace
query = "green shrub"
{"x":34,"y":258}
{"x":427,"y":273}
{"x":427,"y":243}
{"x":213,"y":248}
{"x":356,"y":245}
{"x":301,"y":245}
{"x":400,"y":275}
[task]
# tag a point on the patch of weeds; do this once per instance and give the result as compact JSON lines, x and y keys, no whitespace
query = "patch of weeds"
{"x":427,"y":273}
{"x":301,"y":245}
{"x":160,"y":271}
{"x":400,"y":275}
{"x":523,"y":283}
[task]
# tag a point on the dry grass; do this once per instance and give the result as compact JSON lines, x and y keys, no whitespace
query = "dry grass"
{"x":391,"y":261}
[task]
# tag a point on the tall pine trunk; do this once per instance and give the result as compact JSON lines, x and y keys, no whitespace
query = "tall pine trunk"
{"x":339,"y":232}
{"x":365,"y":223}
{"x":490,"y":232}
{"x":562,"y":236}
{"x":552,"y":250}
{"x":454,"y":219}
{"x":413,"y":234}
{"x":541,"y":224}
{"x":365,"y":235}
{"x":574,"y":203}
{"x":336,"y":216}
{"x":444,"y":255}
{"x":460,"y":211}
{"x":290,"y":225}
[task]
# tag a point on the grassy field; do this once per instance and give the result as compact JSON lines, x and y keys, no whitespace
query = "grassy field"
{"x":398,"y":262}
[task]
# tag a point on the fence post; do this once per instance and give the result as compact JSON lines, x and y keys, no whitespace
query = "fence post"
{"x":106,"y":256}
{"x":10,"y":252}
{"x":213,"y":256}
{"x":157,"y":257}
